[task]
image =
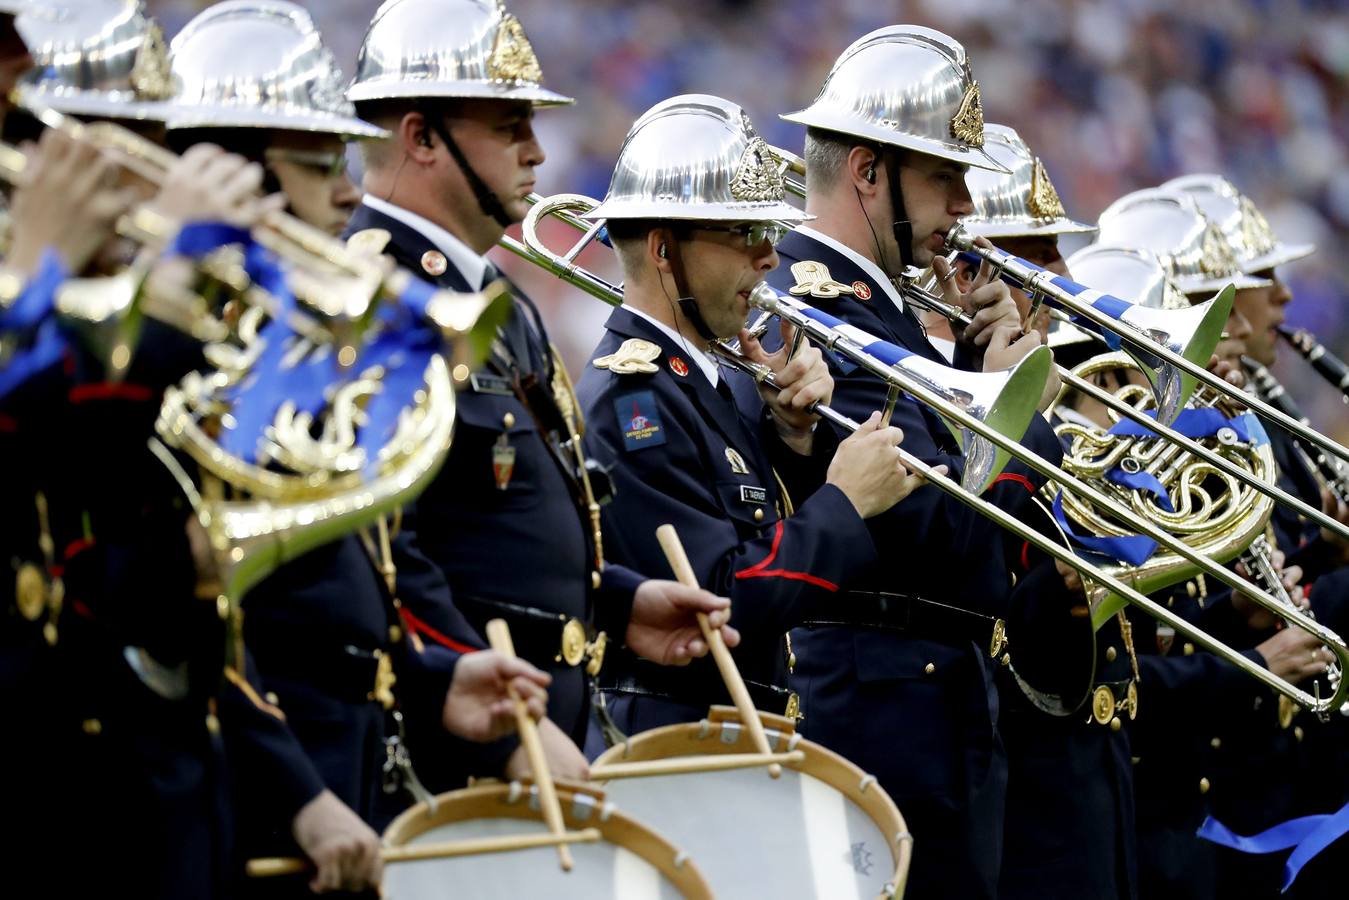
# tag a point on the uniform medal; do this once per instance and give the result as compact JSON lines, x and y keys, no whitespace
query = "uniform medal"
{"x":503,"y":462}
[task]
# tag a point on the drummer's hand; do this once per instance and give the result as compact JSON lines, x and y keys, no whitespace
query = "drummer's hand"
{"x":565,"y":759}
{"x":344,"y":849}
{"x":664,"y":625}
{"x":478,"y":706}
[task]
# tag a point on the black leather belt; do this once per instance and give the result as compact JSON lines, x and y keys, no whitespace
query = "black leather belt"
{"x":344,"y":671}
{"x":702,"y":695}
{"x":916,"y":617}
{"x":540,"y":635}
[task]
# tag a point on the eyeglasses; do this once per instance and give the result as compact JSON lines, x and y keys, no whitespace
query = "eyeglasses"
{"x":331,"y":164}
{"x":754,"y":233}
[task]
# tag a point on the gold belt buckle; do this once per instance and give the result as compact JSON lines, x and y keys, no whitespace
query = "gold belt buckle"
{"x":793,"y":710}
{"x":1103,"y":705}
{"x":382,"y":693}
{"x":573,"y":643}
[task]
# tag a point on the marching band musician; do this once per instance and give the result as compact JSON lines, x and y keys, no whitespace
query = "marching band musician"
{"x":512,"y":519}
{"x":693,"y":211}
{"x":346,"y":650}
{"x":888,"y":141}
{"x":137,"y":725}
{"x":1226,"y":746}
{"x":1069,"y":822}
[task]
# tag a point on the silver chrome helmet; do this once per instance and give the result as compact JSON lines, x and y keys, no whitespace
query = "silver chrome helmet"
{"x":1129,"y":273}
{"x":102,"y":58}
{"x":35,"y":7}
{"x":1022,"y":203}
{"x":260,"y":64}
{"x":1171,"y":225}
{"x":696,"y":157}
{"x":908,"y":87}
{"x":1245,"y":227}
{"x":448,"y":48}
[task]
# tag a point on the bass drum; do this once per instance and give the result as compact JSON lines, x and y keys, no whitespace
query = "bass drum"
{"x":823,"y":829}
{"x":630,"y":862}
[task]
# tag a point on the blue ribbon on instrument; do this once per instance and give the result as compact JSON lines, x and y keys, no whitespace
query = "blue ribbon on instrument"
{"x":886,"y":352}
{"x":1109,"y":304}
{"x":1192,"y":423}
{"x":1307,"y":836}
{"x":31,"y":319}
{"x":257,"y":397}
{"x":403,"y":348}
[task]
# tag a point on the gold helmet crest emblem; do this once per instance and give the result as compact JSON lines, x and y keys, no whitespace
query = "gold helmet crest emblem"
{"x":151,"y":76}
{"x":1044,"y":202}
{"x":1216,"y":257}
{"x":967,"y":125}
{"x":512,"y":59}
{"x":757,"y":178}
{"x":1255,"y":230}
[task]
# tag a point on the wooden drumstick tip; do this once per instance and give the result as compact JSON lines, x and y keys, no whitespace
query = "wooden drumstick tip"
{"x":735,"y":685}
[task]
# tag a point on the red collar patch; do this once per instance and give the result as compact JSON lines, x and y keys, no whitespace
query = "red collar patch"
{"x":678,"y":366}
{"x":861,"y":290}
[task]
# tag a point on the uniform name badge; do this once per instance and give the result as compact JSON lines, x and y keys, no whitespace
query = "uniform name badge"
{"x":503,"y":462}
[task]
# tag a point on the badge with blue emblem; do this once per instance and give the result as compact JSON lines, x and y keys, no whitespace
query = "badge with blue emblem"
{"x":639,"y":420}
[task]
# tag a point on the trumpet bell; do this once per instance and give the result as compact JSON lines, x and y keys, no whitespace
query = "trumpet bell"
{"x":1004,"y":401}
{"x":1193,"y":333}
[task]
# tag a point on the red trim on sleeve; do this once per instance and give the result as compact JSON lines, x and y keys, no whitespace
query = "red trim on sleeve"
{"x":1012,"y":476}
{"x":1025,"y":554}
{"x":417,"y":625}
{"x":761,"y":570}
{"x":78,"y":546}
{"x":82,"y":393}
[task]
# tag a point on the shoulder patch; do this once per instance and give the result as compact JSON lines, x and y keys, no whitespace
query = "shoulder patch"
{"x":371,"y":241}
{"x":639,"y":420}
{"x":813,"y":279}
{"x":634,"y":356}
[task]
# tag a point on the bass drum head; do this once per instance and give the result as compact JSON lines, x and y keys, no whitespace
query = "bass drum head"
{"x":822,"y":829}
{"x":631,"y":862}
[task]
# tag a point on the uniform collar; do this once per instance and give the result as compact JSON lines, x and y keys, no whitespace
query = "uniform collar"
{"x":704,"y":361}
{"x":880,"y":278}
{"x":470,"y":265}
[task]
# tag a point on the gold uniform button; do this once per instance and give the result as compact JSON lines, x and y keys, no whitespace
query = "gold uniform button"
{"x":1298,"y":732}
{"x":395,"y":634}
{"x":508,"y":420}
{"x":595,"y":579}
{"x":929,"y":668}
{"x":1116,"y":724}
{"x":1188,"y":649}
{"x":758,"y":515}
{"x":1215,"y":743}
{"x":1203,"y":785}
{"x":212,"y":723}
{"x":1110,"y":654}
{"x":1013,"y":576}
{"x":272,"y":698}
{"x":92,"y":726}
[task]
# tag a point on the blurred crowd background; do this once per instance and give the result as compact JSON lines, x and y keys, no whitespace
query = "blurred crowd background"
{"x":1114,"y":96}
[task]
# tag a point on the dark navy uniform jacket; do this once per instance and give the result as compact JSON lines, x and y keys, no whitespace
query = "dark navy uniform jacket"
{"x":132,"y":737}
{"x":684,"y":453}
{"x":932,"y":736}
{"x":527,"y":545}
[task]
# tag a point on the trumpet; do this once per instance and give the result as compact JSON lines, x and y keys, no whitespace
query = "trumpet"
{"x":1136,"y":327}
{"x":338,"y":288}
{"x":1327,"y":364}
{"x":887,"y":363}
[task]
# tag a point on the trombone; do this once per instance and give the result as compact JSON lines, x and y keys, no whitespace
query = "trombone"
{"x":1132,"y":327}
{"x":879,"y":358}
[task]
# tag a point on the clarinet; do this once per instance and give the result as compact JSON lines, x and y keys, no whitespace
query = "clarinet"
{"x":1327,"y":364}
{"x":1332,"y":472}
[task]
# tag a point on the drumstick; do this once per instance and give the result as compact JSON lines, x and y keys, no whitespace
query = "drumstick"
{"x":499,"y":636}
{"x":679,"y":562}
{"x":267,"y":867}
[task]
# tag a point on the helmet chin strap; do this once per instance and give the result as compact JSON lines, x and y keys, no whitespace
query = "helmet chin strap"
{"x":902,"y":227}
{"x":687,"y":304}
{"x":488,"y":202}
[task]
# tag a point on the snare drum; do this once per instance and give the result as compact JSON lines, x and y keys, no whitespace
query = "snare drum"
{"x":822,"y":829}
{"x":630,"y":861}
